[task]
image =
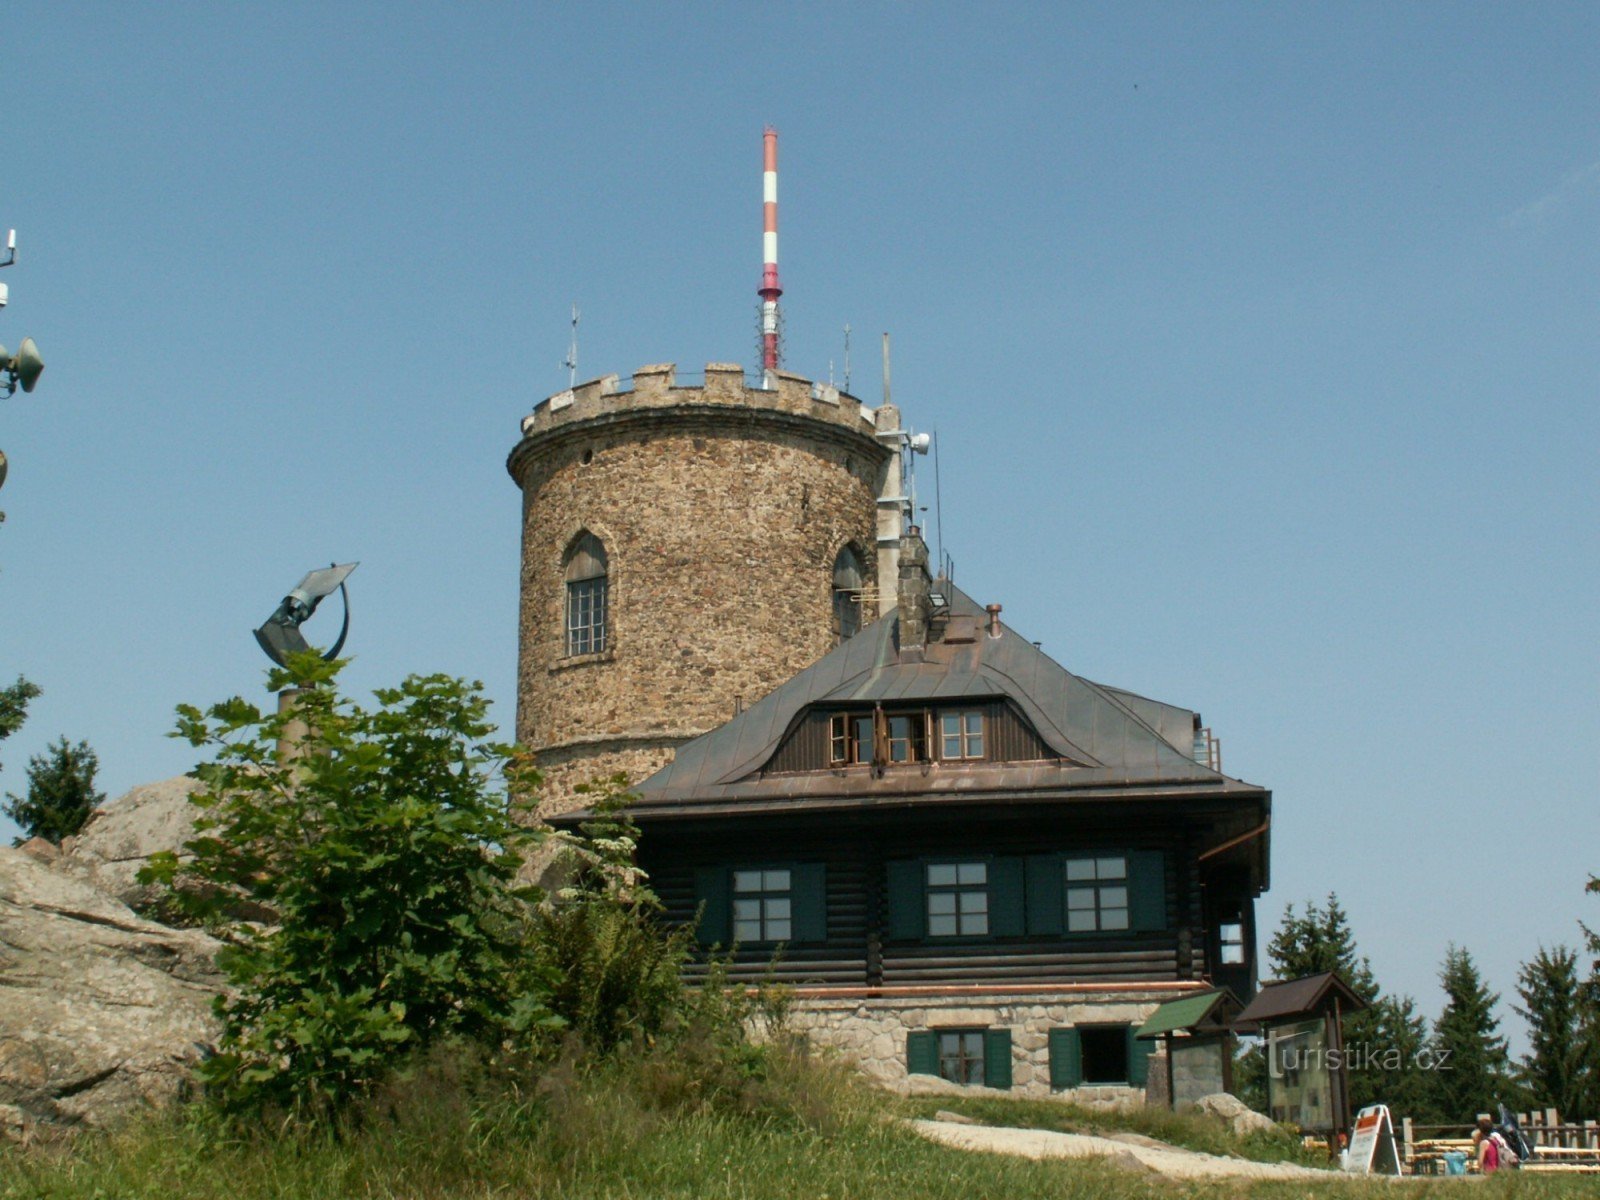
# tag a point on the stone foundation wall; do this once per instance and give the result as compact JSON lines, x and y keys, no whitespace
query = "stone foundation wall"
{"x":872,"y":1034}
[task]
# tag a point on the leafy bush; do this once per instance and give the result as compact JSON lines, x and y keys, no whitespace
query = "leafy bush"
{"x":386,"y":843}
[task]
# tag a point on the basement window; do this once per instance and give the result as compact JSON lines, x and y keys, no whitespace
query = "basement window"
{"x":1105,"y":1053}
{"x":961,"y":1056}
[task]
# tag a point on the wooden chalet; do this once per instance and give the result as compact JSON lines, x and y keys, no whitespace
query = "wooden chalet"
{"x":972,"y":863}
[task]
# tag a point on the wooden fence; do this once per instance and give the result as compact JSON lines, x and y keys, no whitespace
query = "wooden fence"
{"x":1559,"y":1147}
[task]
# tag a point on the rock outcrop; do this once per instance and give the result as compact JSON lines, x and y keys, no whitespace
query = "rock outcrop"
{"x":1241,"y":1118}
{"x":101,"y":1011}
{"x":120,"y":837}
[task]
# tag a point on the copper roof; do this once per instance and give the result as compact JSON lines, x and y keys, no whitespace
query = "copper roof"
{"x":1109,"y":743}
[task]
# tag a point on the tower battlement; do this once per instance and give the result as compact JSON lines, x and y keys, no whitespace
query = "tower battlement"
{"x":657,"y":386}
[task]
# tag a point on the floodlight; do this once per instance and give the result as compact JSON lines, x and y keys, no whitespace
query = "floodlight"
{"x":280,"y":635}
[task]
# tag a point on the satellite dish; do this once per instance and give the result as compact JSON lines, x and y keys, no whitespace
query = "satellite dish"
{"x":280,"y":635}
{"x":28,"y":366}
{"x":24,"y":367}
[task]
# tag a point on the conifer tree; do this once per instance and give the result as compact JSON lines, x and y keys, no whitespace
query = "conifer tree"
{"x":1469,"y":1053}
{"x":61,"y":792}
{"x":14,"y":705}
{"x":1554,"y":1072}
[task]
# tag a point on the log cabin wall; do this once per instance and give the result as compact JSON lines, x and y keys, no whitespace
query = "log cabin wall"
{"x":859,"y":948}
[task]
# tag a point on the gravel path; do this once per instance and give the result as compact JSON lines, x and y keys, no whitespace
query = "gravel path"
{"x":1136,"y":1152}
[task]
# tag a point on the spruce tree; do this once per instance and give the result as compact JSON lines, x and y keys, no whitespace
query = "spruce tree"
{"x":1469,"y":1054}
{"x":61,"y":792}
{"x":1553,"y":1071}
{"x":1321,"y":940}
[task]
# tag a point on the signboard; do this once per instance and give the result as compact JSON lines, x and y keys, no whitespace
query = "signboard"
{"x":1372,"y":1149}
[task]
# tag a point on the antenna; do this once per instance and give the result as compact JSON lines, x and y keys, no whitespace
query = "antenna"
{"x":938,"y":500}
{"x":571,"y":361}
{"x":769,"y":291}
{"x":847,"y":357}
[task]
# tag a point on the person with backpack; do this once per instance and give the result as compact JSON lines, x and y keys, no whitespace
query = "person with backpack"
{"x":1494,"y":1152}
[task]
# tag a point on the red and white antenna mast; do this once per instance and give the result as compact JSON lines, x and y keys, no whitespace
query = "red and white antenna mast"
{"x":769,"y":290}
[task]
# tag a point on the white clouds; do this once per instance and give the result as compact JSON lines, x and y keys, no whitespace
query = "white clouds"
{"x":1573,"y":187}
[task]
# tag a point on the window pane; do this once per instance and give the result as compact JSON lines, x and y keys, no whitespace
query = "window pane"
{"x":949,"y":724}
{"x":1233,"y":933}
{"x":747,"y":931}
{"x":747,"y":910}
{"x":949,"y":1045}
{"x":1080,"y":921}
{"x":951,"y":747}
{"x":1232,"y":954}
{"x":974,"y":925}
{"x":1113,"y":918}
{"x":1114,"y":897}
{"x":1080,"y":898}
{"x":942,"y":875}
{"x":1113,"y":868}
{"x":974,"y":902}
{"x":975,"y":745}
{"x":972,"y":1044}
{"x":940,"y":903}
{"x":974,"y":723}
{"x":775,"y":881}
{"x":1080,"y":868}
{"x":778,"y":909}
{"x":747,"y":881}
{"x":971,"y":873}
{"x":941,"y":926}
{"x":777,"y":931}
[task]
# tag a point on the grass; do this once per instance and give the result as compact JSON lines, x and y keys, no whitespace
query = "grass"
{"x":693,"y":1123}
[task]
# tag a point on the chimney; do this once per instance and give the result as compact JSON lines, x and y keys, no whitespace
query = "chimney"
{"x":994,"y":619}
{"x":914,"y":596}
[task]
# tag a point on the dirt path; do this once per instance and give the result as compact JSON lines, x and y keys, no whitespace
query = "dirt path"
{"x":1130,"y":1150}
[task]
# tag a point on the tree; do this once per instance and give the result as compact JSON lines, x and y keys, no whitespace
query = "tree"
{"x":1470,"y":1055}
{"x":1321,"y":940}
{"x":14,"y":706}
{"x":61,"y":792}
{"x":387,"y":845}
{"x":1553,"y":1072}
{"x":1392,"y":1073}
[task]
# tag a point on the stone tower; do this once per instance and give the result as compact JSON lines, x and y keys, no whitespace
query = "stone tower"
{"x":685,"y":549}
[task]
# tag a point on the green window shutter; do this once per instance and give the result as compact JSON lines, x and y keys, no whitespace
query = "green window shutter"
{"x":1147,"y":889}
{"x":997,"y":1058}
{"x":712,"y":896}
{"x":922,"y":1052}
{"x":908,"y":915}
{"x":1066,"y":1059}
{"x":1045,"y":900}
{"x":1006,"y":898}
{"x":1138,"y":1057}
{"x":809,"y":895}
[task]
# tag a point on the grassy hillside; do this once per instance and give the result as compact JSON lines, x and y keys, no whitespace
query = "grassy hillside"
{"x":659,"y":1126}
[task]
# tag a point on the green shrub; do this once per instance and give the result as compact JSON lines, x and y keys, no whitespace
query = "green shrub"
{"x":387,"y":847}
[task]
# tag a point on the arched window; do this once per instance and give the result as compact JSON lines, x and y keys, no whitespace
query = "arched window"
{"x":848,"y":580}
{"x":587,"y":595}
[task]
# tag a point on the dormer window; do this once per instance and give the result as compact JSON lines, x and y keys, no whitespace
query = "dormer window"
{"x":961,"y":733}
{"x":908,"y":736}
{"x":588,"y":596}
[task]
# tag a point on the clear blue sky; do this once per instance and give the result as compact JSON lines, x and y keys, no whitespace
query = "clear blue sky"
{"x":1262,"y":341}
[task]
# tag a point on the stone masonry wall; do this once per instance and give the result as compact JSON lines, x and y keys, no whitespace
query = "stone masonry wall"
{"x":872,"y":1034}
{"x":721,"y":509}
